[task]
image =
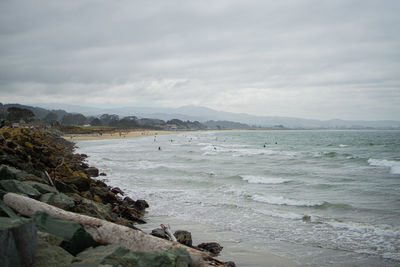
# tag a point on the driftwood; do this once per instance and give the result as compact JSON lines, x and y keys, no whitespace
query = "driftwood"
{"x":49,"y":178}
{"x":106,"y":232}
{"x":167,"y":230}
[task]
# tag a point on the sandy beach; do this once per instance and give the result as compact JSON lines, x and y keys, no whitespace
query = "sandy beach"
{"x":116,"y":135}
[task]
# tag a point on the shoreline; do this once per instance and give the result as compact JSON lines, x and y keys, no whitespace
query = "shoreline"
{"x":143,"y":133}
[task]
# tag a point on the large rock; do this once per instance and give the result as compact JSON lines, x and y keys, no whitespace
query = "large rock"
{"x":75,"y":238}
{"x":92,"y":172}
{"x":184,"y":237}
{"x":5,"y":211}
{"x":60,"y":200}
{"x":212,"y":247}
{"x":93,"y":208}
{"x":141,"y":205}
{"x":17,"y":242}
{"x":159,"y":232}
{"x":15,"y":186}
{"x":114,"y":255}
{"x":81,"y":183}
{"x":11,"y":173}
{"x":49,"y":255}
{"x":42,"y":188}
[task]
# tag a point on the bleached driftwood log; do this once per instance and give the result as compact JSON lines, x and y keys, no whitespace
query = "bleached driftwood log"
{"x":167,"y":230}
{"x":106,"y":232}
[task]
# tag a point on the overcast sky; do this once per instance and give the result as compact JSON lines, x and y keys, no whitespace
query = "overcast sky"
{"x":312,"y":59}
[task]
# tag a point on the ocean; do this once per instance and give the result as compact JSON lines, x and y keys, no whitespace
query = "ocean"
{"x":324,"y":198}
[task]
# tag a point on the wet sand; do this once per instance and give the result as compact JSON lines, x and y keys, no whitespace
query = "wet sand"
{"x":234,"y":250}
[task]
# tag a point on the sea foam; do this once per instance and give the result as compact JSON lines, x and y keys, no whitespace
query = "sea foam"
{"x":252,"y":179}
{"x":393,"y":165}
{"x":279,"y":200}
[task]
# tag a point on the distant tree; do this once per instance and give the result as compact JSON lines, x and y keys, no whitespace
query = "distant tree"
{"x":50,"y":118}
{"x":15,"y":114}
{"x":96,"y":122}
{"x":2,"y":112}
{"x":108,"y":120}
{"x":74,"y":119}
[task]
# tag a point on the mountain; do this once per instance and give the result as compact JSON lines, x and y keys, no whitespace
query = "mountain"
{"x":203,"y":114}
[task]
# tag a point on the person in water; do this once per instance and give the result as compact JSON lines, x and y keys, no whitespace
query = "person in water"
{"x":159,"y":148}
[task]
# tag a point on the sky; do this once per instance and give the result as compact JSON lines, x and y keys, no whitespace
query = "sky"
{"x":313,"y":59}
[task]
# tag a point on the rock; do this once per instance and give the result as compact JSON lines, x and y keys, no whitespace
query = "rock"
{"x":15,"y":186}
{"x":92,"y":172}
{"x":212,"y":247}
{"x":93,"y":209}
{"x":50,"y":255}
{"x":42,"y":188}
{"x":5,"y":211}
{"x":75,"y":238}
{"x":102,"y":174}
{"x":131,"y":214}
{"x":9,"y":173}
{"x":81,"y":183}
{"x":129,"y":201}
{"x":17,"y":241}
{"x":306,"y":218}
{"x":159,"y":232}
{"x":63,"y":187}
{"x":117,"y":190}
{"x":60,"y":200}
{"x":141,"y":204}
{"x":184,"y":237}
{"x":230,"y":264}
{"x":114,"y":255}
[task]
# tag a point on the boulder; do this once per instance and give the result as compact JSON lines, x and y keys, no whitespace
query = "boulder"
{"x":81,"y":183}
{"x":50,"y":255}
{"x":42,"y":188}
{"x":92,"y":172}
{"x":159,"y":232}
{"x":75,"y":238}
{"x":141,"y":204}
{"x":117,"y":190}
{"x":131,"y":214}
{"x":15,"y":186}
{"x":63,"y":187}
{"x":60,"y":200}
{"x":114,"y":255}
{"x":212,"y":247}
{"x":17,"y":241}
{"x":184,"y":237}
{"x":5,"y":211}
{"x":93,"y":209}
{"x":230,"y":264}
{"x":8,"y":173}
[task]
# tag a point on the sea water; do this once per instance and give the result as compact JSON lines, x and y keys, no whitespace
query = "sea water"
{"x":318,"y":197}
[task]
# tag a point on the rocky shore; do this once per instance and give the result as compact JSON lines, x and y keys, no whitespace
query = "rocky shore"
{"x":45,"y":188}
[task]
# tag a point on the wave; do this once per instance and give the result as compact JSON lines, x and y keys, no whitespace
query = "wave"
{"x":393,"y":165}
{"x":279,"y":200}
{"x":252,"y":179}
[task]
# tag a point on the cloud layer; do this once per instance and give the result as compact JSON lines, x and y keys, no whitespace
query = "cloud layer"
{"x":314,"y":59}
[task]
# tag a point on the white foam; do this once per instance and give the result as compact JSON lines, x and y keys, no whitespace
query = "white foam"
{"x":279,"y":200}
{"x":252,"y":179}
{"x":393,"y":165}
{"x":341,"y":145}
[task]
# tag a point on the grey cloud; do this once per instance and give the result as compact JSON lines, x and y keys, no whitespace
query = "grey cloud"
{"x":232,"y":55}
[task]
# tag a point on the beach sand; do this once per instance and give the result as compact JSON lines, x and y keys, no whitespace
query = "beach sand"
{"x":233,"y":250}
{"x":116,"y":135}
